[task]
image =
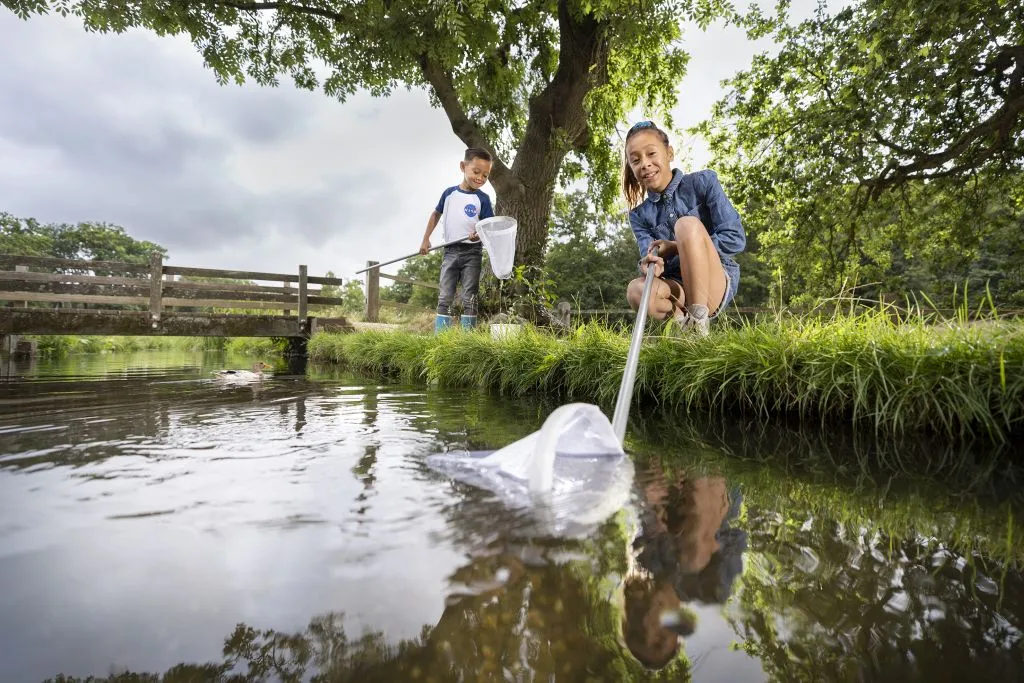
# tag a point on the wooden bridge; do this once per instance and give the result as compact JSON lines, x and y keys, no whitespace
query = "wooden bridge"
{"x":46,"y":296}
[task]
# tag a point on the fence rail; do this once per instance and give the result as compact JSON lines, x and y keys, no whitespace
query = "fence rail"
{"x":374,"y":303}
{"x":69,"y":295}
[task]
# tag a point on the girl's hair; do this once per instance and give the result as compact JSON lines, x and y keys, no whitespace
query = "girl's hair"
{"x":631,"y":189}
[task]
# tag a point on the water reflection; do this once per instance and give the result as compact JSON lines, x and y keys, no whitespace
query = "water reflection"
{"x":687,"y":550}
{"x":153,"y":521}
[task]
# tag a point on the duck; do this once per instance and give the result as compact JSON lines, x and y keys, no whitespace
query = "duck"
{"x":256,"y":373}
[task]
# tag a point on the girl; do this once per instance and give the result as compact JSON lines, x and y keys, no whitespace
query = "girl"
{"x":688,"y":218}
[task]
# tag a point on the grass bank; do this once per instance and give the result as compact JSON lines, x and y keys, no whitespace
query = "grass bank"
{"x":62,"y":345}
{"x":959,"y":380}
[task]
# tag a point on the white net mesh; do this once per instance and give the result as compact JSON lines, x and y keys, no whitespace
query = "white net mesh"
{"x":498,"y":235}
{"x":571,"y":474}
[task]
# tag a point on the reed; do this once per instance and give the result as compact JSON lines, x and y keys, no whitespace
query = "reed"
{"x":959,"y":379}
{"x":62,"y":345}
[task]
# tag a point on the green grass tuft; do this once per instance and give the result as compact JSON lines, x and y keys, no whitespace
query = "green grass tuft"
{"x":954,"y":379}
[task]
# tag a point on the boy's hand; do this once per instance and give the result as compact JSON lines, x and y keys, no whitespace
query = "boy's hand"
{"x":424,"y":247}
{"x":473,"y":237}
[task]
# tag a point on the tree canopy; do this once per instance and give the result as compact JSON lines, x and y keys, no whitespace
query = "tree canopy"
{"x":887,"y":133}
{"x":86,"y":240}
{"x":538,"y":82}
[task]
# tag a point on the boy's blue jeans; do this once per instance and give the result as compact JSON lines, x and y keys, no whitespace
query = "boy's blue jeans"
{"x":461,"y":262}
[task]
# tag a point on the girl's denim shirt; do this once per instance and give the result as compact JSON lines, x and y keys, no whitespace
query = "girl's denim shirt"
{"x":700,"y":195}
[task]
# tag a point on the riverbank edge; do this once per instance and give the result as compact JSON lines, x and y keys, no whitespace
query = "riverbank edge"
{"x":954,"y":380}
{"x":58,"y":346}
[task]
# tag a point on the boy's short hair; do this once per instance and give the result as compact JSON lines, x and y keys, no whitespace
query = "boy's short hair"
{"x":477,"y":153}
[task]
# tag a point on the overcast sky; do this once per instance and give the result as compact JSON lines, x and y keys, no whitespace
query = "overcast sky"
{"x":132,"y":129}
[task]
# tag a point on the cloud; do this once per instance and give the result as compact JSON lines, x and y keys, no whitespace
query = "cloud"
{"x":133,"y":129}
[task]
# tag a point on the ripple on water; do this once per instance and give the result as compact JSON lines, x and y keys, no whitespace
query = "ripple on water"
{"x":166,"y":509}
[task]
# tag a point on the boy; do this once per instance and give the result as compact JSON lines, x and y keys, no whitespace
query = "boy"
{"x":462,"y":206}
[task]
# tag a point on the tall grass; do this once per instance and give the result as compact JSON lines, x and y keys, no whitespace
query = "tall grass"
{"x":61,"y":345}
{"x":958,"y":379}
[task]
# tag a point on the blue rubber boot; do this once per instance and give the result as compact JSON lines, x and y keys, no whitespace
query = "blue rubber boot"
{"x":441,"y":322}
{"x":467,"y":322}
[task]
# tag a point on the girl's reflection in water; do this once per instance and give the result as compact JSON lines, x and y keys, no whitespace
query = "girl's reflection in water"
{"x":686,"y":550}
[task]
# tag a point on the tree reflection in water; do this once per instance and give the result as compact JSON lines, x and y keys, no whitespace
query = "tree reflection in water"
{"x":818,"y":579}
{"x":514,"y":613}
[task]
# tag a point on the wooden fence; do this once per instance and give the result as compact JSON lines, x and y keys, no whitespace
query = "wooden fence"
{"x":46,"y":295}
{"x":374,"y":302}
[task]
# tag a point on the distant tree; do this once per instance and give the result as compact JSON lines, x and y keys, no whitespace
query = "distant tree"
{"x":102,"y":242}
{"x":353,"y":296}
{"x":88,"y":241}
{"x":592,"y":256}
{"x":24,"y":236}
{"x":330,"y":290}
{"x":889,"y":135}
{"x":425,"y":268}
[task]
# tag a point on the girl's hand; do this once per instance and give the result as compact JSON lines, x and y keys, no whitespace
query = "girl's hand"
{"x":655,"y":262}
{"x":666,"y":248}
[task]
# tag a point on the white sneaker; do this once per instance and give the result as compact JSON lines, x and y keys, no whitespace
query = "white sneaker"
{"x":699,"y":320}
{"x":680,"y":323}
{"x":694,"y":319}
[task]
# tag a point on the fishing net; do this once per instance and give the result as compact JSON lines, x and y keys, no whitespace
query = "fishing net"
{"x":572,"y":474}
{"x":498,"y":235}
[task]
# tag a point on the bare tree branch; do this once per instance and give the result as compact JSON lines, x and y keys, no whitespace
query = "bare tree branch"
{"x":998,"y":127}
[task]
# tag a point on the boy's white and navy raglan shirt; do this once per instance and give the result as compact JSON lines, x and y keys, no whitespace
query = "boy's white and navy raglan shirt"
{"x":462,"y":210}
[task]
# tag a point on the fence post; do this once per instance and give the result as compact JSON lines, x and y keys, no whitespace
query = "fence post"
{"x":303,"y":302}
{"x":372,"y":292}
{"x":156,"y":279}
{"x":287,"y":285}
{"x":22,"y":269}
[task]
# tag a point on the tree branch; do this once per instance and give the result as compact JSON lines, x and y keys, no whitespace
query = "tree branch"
{"x":999,"y":123}
{"x":463,"y":126}
{"x":273,"y":5}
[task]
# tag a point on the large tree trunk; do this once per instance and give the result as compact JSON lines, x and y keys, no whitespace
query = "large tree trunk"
{"x":557,"y":123}
{"x":531,"y":207}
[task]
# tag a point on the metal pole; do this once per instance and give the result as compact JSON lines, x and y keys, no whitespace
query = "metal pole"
{"x":416,"y":253}
{"x":621,"y":415}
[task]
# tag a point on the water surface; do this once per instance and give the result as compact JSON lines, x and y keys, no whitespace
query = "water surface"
{"x":156,"y":519}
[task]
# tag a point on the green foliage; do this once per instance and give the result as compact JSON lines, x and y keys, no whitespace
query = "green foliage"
{"x":96,"y":241}
{"x":61,"y":345}
{"x":898,"y":375}
{"x":530,"y":80}
{"x":256,"y":346}
{"x":426,"y":268}
{"x":25,"y":236}
{"x":881,"y":145}
{"x":353,"y":297}
{"x":592,"y":258}
{"x":330,"y":290}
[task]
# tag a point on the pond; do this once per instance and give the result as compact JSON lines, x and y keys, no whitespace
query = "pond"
{"x":156,"y":519}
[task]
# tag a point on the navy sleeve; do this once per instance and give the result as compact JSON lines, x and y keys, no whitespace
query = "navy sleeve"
{"x":726,"y":228}
{"x":485,"y":205}
{"x":440,"y":203}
